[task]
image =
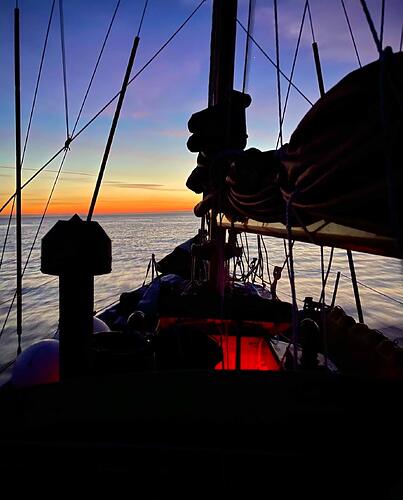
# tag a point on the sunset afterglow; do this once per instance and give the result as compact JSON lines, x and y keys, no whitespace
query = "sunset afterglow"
{"x":149,"y":163}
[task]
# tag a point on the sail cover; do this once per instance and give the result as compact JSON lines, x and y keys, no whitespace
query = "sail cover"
{"x":339,"y":179}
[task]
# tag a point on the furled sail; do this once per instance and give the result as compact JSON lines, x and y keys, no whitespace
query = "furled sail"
{"x":338,"y":181}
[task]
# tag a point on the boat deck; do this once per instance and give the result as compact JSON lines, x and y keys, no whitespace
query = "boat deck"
{"x":319,"y":435}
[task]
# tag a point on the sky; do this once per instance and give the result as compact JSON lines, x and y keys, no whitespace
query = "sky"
{"x":149,"y":163}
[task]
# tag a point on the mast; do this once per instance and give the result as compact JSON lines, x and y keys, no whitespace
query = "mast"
{"x":18,"y":172}
{"x":221,"y":82}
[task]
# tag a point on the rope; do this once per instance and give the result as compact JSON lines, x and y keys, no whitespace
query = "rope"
{"x":311,"y":23}
{"x":323,"y":302}
{"x":382,"y":23}
{"x":374,"y":290}
{"x":71,"y":172}
{"x":371,"y":25}
{"x":142,"y":17}
{"x":29,"y":121}
{"x":66,"y":107}
{"x":251,"y":12}
{"x":96,"y":66}
{"x":401,"y":40}
{"x":286,"y":260}
{"x":65,"y":149}
{"x":33,"y":177}
{"x":36,"y":236}
{"x":107,"y":104}
{"x":274,"y":64}
{"x":351,"y":33}
{"x":6,"y":235}
{"x":112,"y":130}
{"x":33,"y":289}
{"x":280,"y":122}
{"x":292,"y":69}
{"x":327,"y":272}
{"x":292,"y":285}
{"x":37,"y":82}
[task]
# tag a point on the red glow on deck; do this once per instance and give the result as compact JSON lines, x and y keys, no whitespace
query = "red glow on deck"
{"x":255,"y":354}
{"x":255,"y":351}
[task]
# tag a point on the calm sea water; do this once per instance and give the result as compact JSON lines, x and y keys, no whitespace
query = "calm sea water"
{"x":135,"y":237}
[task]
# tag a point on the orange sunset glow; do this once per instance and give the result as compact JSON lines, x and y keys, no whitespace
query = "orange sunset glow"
{"x":181,"y":201}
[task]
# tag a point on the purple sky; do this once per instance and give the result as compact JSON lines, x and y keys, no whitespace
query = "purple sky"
{"x":149,"y":159}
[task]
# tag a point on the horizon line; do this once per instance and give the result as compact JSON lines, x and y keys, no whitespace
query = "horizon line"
{"x":64,"y":214}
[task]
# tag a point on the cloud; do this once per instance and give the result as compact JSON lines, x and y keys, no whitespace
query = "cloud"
{"x":175,"y":132}
{"x":139,"y":114}
{"x":135,"y":185}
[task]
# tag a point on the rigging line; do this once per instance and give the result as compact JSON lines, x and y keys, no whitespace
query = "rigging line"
{"x":33,"y":289}
{"x":87,"y":174}
{"x":111,"y":101}
{"x":33,"y":177}
{"x":267,"y":259}
{"x":351,"y":32}
{"x":6,"y":235}
{"x":140,"y":70}
{"x":251,"y":13}
{"x":274,"y":64}
{"x":293,"y":69}
{"x":371,"y":25}
{"x":329,"y":265}
{"x":66,"y":107}
{"x":113,"y":128}
{"x":310,"y":22}
{"x":322,"y":300}
{"x":280,"y":123}
{"x":142,"y":17}
{"x":37,"y":233}
{"x":37,"y":82}
{"x":382,"y":23}
{"x":287,"y":255}
{"x":292,"y":284}
{"x":286,"y":261}
{"x":30,"y":119}
{"x":373,"y":289}
{"x":401,"y":40}
{"x":96,"y":66}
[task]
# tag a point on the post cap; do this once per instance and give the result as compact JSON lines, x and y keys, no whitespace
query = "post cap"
{"x":76,"y":246}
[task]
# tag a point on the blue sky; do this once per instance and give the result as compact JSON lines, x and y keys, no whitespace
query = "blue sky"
{"x":149,"y":162}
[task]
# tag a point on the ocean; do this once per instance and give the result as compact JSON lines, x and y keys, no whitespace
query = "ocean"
{"x":136,"y":236}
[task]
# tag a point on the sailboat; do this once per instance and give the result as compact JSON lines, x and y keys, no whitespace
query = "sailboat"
{"x":198,"y":383}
